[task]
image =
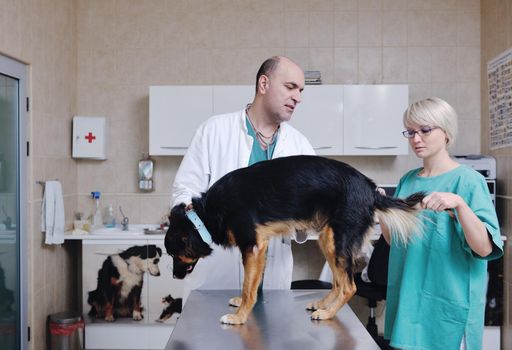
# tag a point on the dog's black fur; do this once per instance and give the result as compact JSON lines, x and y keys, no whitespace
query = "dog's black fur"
{"x":120,"y":281}
{"x":173,"y":306}
{"x":247,"y":206}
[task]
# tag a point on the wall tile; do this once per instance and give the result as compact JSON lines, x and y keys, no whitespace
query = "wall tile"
{"x":418,"y":28}
{"x":299,"y":56}
{"x":199,"y":67}
{"x":95,"y":25}
{"x":272,"y":33}
{"x":322,"y":60}
{"x":370,"y":66}
{"x":297,"y":5}
{"x":468,"y":4}
{"x":370,"y":28}
{"x":370,"y":5}
{"x":321,"y":29}
{"x":394,"y":28}
{"x":444,"y":28}
{"x":394,"y":5}
{"x":419,"y":65}
{"x":468,"y":141}
{"x":394,"y":65}
{"x":345,"y":29}
{"x":297,"y":29}
{"x":444,"y":4}
{"x":420,"y":4}
{"x":468,"y":63}
{"x":345,"y":5}
{"x":444,"y":64}
{"x":321,"y":5}
{"x":154,"y":209}
{"x":468,"y":100}
{"x":419,"y":91}
{"x":468,"y":28}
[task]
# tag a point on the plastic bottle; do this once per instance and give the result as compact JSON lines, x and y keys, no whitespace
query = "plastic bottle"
{"x":97,"y":222}
{"x":109,"y":220}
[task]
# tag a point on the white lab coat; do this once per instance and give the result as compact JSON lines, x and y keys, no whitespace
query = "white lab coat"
{"x":220,"y":145}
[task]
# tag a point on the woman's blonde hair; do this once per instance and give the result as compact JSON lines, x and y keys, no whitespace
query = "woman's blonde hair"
{"x":433,"y":111}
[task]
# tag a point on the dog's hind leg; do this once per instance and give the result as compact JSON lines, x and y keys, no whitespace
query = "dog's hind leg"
{"x":254,"y":264}
{"x":345,"y":288}
{"x":326,"y":243}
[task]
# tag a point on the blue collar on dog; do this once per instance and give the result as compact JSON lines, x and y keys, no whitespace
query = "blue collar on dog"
{"x":198,"y":224}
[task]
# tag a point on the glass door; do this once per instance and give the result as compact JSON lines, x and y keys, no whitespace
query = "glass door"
{"x":13,"y":328}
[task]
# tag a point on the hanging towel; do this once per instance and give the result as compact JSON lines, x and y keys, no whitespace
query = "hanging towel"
{"x":52,"y":213}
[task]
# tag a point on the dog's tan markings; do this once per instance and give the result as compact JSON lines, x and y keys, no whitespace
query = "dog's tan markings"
{"x":254,"y":264}
{"x":343,"y":287}
{"x":326,"y":243}
{"x":186,"y":260}
{"x":137,"y":312}
{"x":285,"y":228}
{"x":109,"y":314}
{"x":231,"y":238}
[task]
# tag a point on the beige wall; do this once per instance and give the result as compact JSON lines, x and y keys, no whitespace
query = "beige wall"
{"x":496,"y":38}
{"x":43,"y":35}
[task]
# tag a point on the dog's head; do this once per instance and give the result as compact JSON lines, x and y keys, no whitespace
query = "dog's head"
{"x":183,"y":243}
{"x":143,"y":258}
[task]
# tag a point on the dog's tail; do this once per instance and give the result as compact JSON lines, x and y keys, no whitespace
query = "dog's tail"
{"x":400,"y":216}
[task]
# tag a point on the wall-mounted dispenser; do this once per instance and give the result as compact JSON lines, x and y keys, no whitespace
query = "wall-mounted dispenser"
{"x":146,"y":167}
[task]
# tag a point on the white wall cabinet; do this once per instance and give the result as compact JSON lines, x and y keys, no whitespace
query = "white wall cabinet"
{"x":320,"y":117}
{"x":175,"y":112}
{"x":231,"y":98}
{"x":337,"y":119}
{"x":372,"y":119}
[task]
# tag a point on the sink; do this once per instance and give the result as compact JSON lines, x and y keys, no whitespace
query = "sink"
{"x":135,"y":229}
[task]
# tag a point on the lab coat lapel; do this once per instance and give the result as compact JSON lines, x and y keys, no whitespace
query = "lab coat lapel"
{"x":245,"y":143}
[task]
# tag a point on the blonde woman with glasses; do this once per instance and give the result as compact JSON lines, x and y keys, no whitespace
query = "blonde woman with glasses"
{"x":437,"y":283}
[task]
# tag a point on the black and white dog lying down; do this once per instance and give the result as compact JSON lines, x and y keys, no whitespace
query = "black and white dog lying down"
{"x":120,"y":282}
{"x":248,"y":206}
{"x":173,"y":306}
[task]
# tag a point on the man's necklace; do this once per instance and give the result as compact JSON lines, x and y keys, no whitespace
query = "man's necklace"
{"x":265,"y":141}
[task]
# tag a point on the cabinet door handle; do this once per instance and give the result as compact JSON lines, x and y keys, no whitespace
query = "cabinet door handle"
{"x":381,"y":147}
{"x":322,"y":147}
{"x":173,"y":147}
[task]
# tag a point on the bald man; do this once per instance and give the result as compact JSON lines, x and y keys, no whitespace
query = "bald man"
{"x":231,"y":141}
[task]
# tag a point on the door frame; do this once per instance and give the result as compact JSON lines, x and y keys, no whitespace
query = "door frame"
{"x":18,"y":70}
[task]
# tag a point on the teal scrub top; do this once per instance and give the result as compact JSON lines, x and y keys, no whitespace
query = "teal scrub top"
{"x":257,"y":153}
{"x":437,"y":284}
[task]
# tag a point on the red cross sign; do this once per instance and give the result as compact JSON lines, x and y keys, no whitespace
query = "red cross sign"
{"x":90,"y":137}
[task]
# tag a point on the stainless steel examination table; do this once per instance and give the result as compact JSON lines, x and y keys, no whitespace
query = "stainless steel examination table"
{"x":279,"y":320}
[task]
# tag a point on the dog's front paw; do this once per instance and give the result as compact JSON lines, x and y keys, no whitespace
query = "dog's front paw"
{"x":316,"y":305}
{"x":109,"y":318}
{"x":322,"y":315}
{"x":232,"y":319}
{"x":236,"y":301}
{"x":137,"y":315}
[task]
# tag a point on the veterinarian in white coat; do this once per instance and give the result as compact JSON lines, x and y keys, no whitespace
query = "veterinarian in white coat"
{"x":224,"y":143}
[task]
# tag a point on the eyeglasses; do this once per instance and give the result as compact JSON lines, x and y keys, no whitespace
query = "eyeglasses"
{"x":423,"y":131}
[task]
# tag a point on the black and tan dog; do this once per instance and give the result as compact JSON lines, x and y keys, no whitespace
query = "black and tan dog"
{"x":248,"y":206}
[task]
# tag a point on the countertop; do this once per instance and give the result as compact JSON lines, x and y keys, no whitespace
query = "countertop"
{"x":136,"y":232}
{"x":279,"y":320}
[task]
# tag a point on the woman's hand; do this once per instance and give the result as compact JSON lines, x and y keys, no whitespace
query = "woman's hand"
{"x":474,"y":230}
{"x":440,"y":201}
